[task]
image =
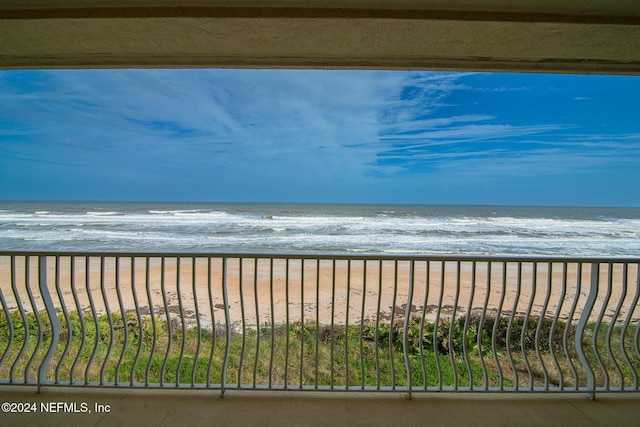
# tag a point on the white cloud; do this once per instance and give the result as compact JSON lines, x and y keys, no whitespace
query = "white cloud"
{"x":482,"y":132}
{"x":300,"y":129}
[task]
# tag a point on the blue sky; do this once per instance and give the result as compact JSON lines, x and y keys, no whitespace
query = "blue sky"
{"x":320,"y":136}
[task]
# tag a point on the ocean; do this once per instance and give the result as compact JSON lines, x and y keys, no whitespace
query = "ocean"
{"x":319,"y":229}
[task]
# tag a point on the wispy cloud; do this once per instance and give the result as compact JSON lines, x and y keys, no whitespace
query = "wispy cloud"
{"x":288,"y":131}
{"x":479,"y":132}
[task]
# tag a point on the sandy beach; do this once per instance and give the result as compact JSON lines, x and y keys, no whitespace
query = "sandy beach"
{"x":324,"y":291}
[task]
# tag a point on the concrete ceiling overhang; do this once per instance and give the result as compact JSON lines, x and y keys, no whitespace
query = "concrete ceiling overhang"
{"x":596,"y":36}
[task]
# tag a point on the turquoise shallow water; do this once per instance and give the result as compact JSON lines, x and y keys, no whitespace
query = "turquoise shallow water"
{"x":325,"y":229}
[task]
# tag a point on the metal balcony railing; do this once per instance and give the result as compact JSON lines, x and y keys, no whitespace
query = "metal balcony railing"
{"x":232,"y":321}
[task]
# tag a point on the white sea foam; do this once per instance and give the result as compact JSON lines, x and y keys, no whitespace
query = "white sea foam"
{"x":322,"y":229}
{"x":104,"y":213}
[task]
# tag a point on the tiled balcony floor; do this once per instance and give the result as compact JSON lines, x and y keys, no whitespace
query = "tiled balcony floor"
{"x":243,"y":408}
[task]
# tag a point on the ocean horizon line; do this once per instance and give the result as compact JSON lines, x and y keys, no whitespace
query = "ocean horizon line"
{"x":321,"y":203}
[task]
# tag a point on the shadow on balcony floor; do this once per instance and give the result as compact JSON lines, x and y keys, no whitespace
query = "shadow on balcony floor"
{"x":239,"y":408}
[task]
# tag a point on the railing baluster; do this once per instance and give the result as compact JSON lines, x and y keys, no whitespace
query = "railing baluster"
{"x":541,"y":323}
{"x":183,"y":326}
{"x":485,"y":374}
{"x":516,"y":300}
{"x":23,"y":316}
{"x":197,"y":314}
{"x":636,"y":336}
{"x":244,"y":325}
{"x":80,"y":312}
{"x":139,"y":319}
{"x":317,"y":320}
{"x":582,"y":323}
{"x":287,"y":324}
{"x":525,"y":323}
{"x":405,"y":328}
{"x":362,"y":311}
{"x":425,"y":303}
{"x":53,"y":321}
{"x":96,"y":321}
{"x":612,"y":323}
{"x":109,"y":318}
{"x":36,"y":315}
{"x":346,"y":328}
{"x":225,"y":302}
{"x":568,"y":326}
{"x":273,"y":325}
{"x":465,"y":329}
{"x":154,"y":331}
{"x":625,"y":325}
{"x":163,"y":291}
{"x":301,"y":322}
{"x":554,"y":324}
{"x":391,"y":324}
{"x":255,"y":293}
{"x":7,"y":314}
{"x":496,"y":323}
{"x":436,"y":352}
{"x":597,"y":328}
{"x":125,"y":322}
{"x":377,"y":338}
{"x":333,"y":312}
{"x":213,"y":323}
{"x":65,"y":313}
{"x":451,"y":328}
{"x":25,"y":323}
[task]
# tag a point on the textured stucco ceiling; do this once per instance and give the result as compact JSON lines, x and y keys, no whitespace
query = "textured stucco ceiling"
{"x":549,"y":36}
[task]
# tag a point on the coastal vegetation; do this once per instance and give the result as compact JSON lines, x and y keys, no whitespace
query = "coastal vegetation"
{"x":500,"y":352}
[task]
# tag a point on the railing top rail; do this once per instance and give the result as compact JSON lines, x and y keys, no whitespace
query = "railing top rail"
{"x":324,"y":256}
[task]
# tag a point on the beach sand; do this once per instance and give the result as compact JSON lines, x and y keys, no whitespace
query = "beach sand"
{"x":323,"y":292}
